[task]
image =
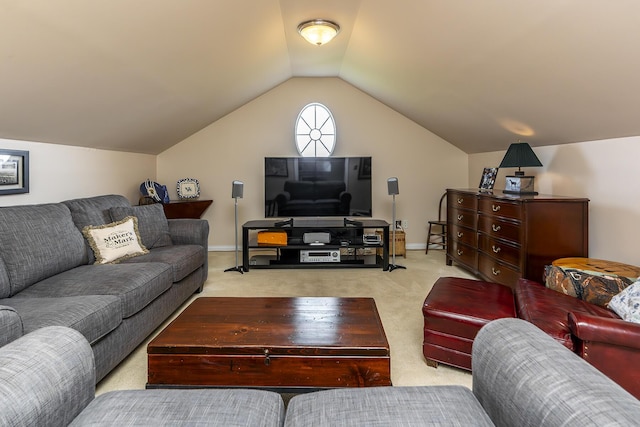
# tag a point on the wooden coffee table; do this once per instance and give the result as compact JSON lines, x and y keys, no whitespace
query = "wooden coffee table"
{"x":272,"y":342}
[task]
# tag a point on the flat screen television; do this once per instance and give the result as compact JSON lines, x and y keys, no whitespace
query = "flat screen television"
{"x":317,"y":187}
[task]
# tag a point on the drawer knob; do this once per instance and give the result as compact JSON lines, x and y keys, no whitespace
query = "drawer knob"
{"x":495,"y":208}
{"x":460,"y":201}
{"x":460,"y":234}
{"x":495,"y":249}
{"x":459,"y":252}
{"x":495,"y":228}
{"x":495,"y":272}
{"x":460,"y":217}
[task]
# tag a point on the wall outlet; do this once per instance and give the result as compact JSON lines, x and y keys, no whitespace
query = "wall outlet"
{"x":402,"y":223}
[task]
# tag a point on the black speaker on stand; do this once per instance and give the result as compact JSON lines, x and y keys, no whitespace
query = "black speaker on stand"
{"x":236,"y":193}
{"x":392,"y":186}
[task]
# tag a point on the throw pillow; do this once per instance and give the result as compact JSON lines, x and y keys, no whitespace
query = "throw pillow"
{"x":115,"y":242}
{"x":627,"y":303}
{"x":559,"y":280}
{"x":591,"y":287}
{"x":152,"y":223}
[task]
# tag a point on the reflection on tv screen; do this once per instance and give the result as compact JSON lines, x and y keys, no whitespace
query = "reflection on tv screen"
{"x":324,"y":187}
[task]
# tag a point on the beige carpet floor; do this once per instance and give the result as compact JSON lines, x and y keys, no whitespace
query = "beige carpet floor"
{"x":399,"y":296}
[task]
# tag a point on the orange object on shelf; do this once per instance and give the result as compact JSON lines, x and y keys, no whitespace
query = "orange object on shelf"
{"x":274,"y":238}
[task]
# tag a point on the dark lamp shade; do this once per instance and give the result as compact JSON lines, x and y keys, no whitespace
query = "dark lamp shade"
{"x":520,"y":155}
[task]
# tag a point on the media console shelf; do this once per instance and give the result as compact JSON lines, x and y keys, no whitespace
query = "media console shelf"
{"x":346,"y":239}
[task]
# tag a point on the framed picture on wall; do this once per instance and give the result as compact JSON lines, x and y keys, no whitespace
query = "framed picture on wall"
{"x":14,"y":172}
{"x":488,"y":178}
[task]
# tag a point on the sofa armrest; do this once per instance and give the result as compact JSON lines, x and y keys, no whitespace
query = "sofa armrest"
{"x":47,"y":377}
{"x":523,"y":377}
{"x":10,"y":325}
{"x":605,"y":330}
{"x":283,"y":198}
{"x":189,"y":231}
{"x":609,"y":345}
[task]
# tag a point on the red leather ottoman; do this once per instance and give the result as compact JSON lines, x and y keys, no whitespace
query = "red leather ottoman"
{"x":454,"y":311}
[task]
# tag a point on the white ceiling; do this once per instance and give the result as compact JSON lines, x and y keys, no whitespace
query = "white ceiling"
{"x":141,"y":75}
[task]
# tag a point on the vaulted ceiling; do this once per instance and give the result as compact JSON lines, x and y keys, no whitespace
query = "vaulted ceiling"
{"x":141,"y":75}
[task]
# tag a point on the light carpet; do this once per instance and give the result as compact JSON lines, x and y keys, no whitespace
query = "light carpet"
{"x":398,"y":294}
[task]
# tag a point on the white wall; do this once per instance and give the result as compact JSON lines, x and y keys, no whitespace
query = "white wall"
{"x":604,"y":172}
{"x":61,"y":172}
{"x":234,"y":147}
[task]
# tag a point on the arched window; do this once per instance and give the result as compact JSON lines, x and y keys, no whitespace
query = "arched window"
{"x":315,"y":131}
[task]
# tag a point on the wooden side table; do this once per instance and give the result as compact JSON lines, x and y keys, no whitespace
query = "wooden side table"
{"x":186,"y":208}
{"x":401,"y":248}
{"x":599,"y":266}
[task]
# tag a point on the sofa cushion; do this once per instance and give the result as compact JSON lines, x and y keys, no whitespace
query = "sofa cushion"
{"x":152,"y":223}
{"x":387,"y":406}
{"x":627,"y":303}
{"x":329,"y":189}
{"x":184,"y":407}
{"x":5,"y":284}
{"x":549,"y":310}
{"x":93,"y":316}
{"x":93,"y":211}
{"x":10,"y":324}
{"x":136,"y":285}
{"x":38,"y":241}
{"x":116,"y":241}
{"x":183,"y":259}
{"x":95,"y":208}
{"x":299,"y":189}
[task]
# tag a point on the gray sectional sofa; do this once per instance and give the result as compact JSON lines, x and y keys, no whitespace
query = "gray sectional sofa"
{"x":521,"y":377}
{"x":48,"y":276}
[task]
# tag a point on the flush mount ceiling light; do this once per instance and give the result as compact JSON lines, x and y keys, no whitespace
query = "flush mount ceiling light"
{"x":318,"y":31}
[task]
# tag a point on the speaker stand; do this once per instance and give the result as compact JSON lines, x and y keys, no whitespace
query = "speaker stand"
{"x":237,"y":268}
{"x":393,"y":265}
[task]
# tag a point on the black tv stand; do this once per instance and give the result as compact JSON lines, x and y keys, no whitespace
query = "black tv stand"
{"x":346,"y":239}
{"x":348,"y":221}
{"x":284,"y":223}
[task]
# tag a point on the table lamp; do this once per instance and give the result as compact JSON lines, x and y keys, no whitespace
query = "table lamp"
{"x":519,"y":155}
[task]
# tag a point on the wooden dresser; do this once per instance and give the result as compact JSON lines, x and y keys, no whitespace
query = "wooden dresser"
{"x":501,"y":237}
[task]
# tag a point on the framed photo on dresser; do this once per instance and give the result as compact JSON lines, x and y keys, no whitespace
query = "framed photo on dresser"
{"x":488,"y":178}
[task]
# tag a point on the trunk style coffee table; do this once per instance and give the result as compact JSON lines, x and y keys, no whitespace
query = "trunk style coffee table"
{"x":274,"y":343}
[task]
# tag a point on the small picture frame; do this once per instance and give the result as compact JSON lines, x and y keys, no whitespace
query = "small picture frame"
{"x":521,"y":185}
{"x":488,"y":179}
{"x":14,"y":172}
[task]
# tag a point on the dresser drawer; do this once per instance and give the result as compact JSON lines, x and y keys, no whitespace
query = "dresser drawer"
{"x":494,"y":271}
{"x":464,"y":254}
{"x":462,"y":200}
{"x":499,"y":250}
{"x":462,"y":218}
{"x":488,"y":206}
{"x":463,"y":235}
{"x":497,"y":228}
